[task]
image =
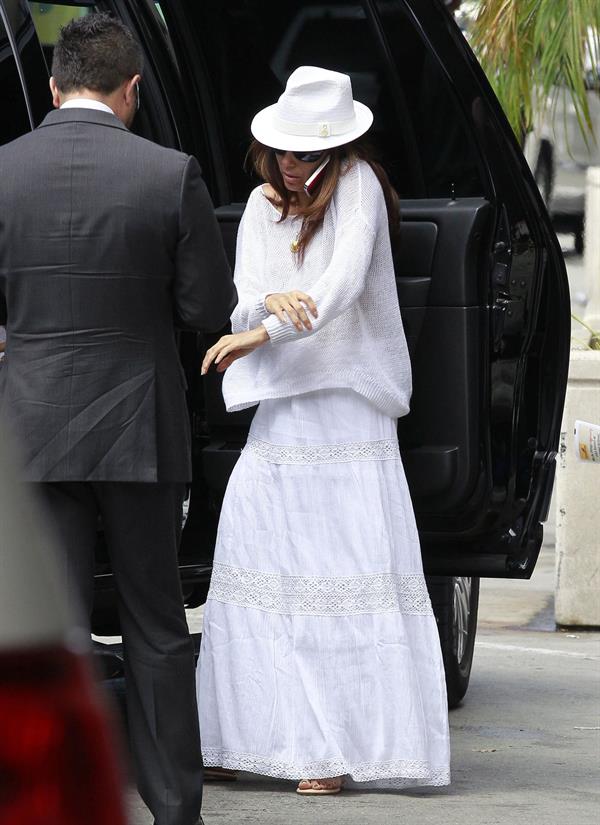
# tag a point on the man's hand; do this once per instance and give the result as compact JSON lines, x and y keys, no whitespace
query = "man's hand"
{"x":290,"y":306}
{"x":231,"y":347}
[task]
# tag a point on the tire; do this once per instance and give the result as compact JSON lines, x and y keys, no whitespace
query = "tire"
{"x":455,"y":600}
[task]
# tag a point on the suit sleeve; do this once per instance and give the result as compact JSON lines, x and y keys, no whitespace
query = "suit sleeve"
{"x":203,"y":292}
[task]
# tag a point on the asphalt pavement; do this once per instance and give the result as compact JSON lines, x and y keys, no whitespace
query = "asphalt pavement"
{"x":525,"y":742}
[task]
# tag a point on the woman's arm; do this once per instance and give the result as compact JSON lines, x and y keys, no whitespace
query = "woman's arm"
{"x":340,"y":286}
{"x":252,"y":305}
{"x":249,"y":261}
{"x":361,"y":207}
{"x":231,"y":347}
{"x":248,"y":333}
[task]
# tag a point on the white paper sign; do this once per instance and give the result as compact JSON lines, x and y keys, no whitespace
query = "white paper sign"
{"x":587,"y":441}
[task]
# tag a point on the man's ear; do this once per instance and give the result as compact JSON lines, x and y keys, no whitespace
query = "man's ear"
{"x":130,"y":92}
{"x":55,"y":93}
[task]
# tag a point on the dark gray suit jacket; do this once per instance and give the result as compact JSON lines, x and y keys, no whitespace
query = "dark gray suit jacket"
{"x":105,"y":238}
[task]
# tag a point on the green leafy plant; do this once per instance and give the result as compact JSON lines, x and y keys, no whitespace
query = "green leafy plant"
{"x":594,"y":339}
{"x":534,"y":50}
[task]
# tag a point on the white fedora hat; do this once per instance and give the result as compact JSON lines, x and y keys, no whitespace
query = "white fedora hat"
{"x":315,"y":112}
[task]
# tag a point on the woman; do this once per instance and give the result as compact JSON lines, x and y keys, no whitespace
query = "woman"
{"x":320,"y":657}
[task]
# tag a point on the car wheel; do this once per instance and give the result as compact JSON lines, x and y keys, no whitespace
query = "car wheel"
{"x":455,"y":600}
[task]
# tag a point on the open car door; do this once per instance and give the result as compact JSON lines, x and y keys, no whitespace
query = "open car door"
{"x":481,"y":281}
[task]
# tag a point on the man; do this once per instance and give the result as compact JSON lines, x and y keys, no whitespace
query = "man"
{"x":104,"y":239}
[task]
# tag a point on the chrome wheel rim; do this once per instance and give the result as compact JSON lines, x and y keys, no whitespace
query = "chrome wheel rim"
{"x":461,"y":612}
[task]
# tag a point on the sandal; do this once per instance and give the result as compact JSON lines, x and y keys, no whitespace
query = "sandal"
{"x":320,"y":787}
{"x":215,"y":774}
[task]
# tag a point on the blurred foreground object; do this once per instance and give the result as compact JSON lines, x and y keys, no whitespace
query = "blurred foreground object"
{"x":57,"y":758}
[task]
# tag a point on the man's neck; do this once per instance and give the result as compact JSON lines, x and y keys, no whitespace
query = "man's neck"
{"x":93,"y":99}
{"x":83,"y":102}
{"x":85,"y":94}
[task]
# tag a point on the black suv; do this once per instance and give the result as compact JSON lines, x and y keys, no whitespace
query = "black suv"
{"x":481,"y":279}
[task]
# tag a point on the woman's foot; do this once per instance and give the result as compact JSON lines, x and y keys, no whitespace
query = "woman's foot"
{"x":320,"y":787}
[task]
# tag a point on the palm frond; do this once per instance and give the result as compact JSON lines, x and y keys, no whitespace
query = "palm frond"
{"x":532,"y":50}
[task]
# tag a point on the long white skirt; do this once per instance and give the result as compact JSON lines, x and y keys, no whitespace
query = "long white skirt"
{"x":320,"y":654}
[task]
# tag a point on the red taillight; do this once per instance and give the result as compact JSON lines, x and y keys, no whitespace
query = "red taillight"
{"x":57,"y":757}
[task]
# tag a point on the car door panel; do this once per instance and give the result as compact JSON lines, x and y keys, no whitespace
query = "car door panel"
{"x":440,"y":442}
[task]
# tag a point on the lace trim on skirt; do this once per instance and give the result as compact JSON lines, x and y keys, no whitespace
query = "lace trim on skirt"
{"x":322,"y":596}
{"x":396,"y":773}
{"x":324,"y":453}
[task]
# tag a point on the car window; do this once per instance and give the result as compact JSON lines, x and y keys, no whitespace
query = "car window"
{"x":16,"y":123}
{"x":449,"y":155}
{"x":30,"y":58}
{"x":157,"y":10}
{"x":48,"y":19}
{"x":153,"y":120}
{"x":252,"y":48}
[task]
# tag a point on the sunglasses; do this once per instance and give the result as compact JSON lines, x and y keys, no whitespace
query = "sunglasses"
{"x":303,"y":157}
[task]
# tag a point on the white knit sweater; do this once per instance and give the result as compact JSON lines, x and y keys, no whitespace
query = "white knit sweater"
{"x":358,"y":340}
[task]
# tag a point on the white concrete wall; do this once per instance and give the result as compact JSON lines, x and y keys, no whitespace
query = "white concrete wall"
{"x":577,"y":596}
{"x":592,"y":247}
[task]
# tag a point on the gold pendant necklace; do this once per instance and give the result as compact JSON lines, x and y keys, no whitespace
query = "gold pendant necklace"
{"x":295,"y":244}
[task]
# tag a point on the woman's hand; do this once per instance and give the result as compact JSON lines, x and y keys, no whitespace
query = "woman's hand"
{"x":231,"y":347}
{"x":290,"y":305}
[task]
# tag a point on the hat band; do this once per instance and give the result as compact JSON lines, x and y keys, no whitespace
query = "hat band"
{"x":322,"y":129}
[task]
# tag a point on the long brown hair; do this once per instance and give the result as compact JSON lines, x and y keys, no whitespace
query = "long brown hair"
{"x":264,"y":162}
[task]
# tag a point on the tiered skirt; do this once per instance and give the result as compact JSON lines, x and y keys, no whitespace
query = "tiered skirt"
{"x":320,"y":654}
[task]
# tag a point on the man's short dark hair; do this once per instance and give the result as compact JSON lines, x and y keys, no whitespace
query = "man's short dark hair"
{"x":95,"y":52}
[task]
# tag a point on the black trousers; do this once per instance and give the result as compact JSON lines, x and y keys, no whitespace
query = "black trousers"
{"x":142,"y":524}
